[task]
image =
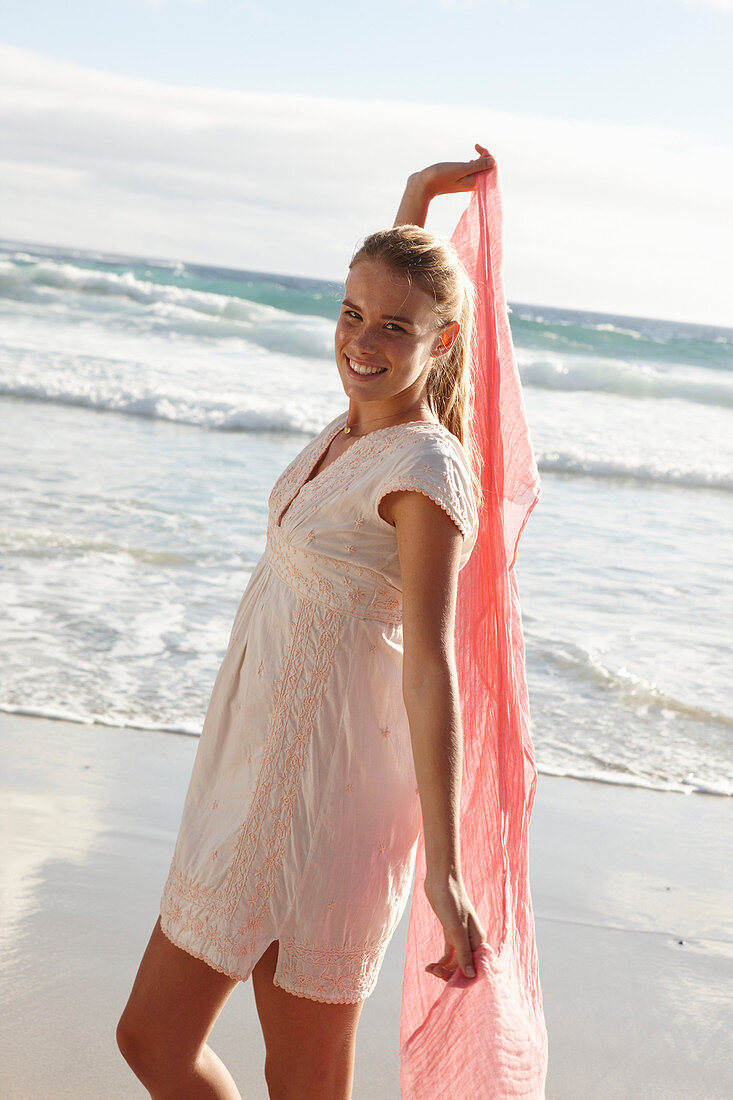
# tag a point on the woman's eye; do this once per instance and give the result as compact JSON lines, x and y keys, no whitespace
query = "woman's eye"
{"x":392,"y":325}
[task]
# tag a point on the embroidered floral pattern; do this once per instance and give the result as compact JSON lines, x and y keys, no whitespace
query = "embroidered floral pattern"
{"x":332,"y":582}
{"x":339,"y":973}
{"x":295,"y":490}
{"x":179,"y":924}
{"x":289,"y":749}
{"x":287,"y":779}
{"x":281,"y":765}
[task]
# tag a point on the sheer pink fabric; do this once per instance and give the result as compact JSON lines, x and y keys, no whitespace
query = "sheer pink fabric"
{"x":485,"y":1037}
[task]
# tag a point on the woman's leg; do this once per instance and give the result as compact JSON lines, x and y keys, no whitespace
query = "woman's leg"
{"x":309,"y":1044}
{"x":162,"y":1032}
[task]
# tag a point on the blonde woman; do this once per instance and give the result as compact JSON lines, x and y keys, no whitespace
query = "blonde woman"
{"x":333,"y":730}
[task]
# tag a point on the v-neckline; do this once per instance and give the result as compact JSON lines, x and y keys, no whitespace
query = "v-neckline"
{"x":311,"y":476}
{"x":329,"y":440}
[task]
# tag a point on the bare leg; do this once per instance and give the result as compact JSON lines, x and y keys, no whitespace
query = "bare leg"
{"x":173,"y":1006}
{"x":310,"y":1044}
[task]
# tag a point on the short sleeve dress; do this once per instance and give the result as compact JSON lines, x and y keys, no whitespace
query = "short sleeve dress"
{"x":302,"y":814}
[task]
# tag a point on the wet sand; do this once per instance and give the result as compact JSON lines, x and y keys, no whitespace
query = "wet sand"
{"x":631,"y":889}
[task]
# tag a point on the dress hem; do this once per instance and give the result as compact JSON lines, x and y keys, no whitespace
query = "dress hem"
{"x":202,"y":958}
{"x":322,"y":1000}
{"x":238,"y":977}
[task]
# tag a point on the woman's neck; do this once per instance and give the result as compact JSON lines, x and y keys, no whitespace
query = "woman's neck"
{"x":360,"y":419}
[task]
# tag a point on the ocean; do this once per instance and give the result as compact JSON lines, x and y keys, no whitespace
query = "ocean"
{"x":147,"y":408}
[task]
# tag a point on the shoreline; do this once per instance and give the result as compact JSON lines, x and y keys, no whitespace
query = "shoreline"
{"x":634,"y":926}
{"x":547,"y":771}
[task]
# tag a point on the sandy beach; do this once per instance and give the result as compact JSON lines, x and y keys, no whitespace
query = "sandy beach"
{"x":631,"y":889}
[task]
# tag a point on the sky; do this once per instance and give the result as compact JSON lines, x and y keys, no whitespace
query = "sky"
{"x":273,"y":136}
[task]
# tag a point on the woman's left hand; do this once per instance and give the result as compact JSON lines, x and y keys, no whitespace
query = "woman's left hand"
{"x":445,"y":178}
{"x":450,"y":177}
{"x":461,"y":927}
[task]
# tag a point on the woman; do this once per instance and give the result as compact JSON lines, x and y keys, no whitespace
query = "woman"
{"x":334,"y":728}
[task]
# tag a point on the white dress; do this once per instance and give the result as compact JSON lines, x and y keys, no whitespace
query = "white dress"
{"x":302,"y":813}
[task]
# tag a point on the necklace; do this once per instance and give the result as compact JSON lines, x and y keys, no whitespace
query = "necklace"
{"x":347,"y":430}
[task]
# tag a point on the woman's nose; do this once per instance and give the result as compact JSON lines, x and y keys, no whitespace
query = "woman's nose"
{"x":366,"y":341}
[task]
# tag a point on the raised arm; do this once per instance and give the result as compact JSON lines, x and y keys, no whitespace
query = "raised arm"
{"x":445,"y":178}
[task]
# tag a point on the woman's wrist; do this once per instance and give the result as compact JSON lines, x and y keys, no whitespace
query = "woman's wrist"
{"x":441,"y":876}
{"x":442,"y":886}
{"x":415,"y":201}
{"x":420,"y":183}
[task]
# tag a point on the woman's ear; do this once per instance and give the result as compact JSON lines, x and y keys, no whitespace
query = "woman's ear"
{"x":446,"y":339}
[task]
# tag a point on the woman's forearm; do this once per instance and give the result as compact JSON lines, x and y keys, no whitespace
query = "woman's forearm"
{"x":413,"y":208}
{"x":433,"y":710}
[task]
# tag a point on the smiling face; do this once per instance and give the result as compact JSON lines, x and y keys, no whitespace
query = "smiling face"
{"x":387,"y":337}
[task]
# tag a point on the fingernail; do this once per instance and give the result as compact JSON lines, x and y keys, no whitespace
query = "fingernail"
{"x":470,"y":971}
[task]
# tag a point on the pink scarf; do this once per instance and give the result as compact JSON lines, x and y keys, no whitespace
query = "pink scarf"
{"x":484,"y":1038}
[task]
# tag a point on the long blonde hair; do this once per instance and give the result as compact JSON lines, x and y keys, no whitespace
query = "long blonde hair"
{"x":433,"y":264}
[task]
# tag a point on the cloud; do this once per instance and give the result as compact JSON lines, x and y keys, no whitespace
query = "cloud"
{"x":625,"y":219}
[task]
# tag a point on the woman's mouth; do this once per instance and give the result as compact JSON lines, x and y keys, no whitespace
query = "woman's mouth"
{"x":363,"y":370}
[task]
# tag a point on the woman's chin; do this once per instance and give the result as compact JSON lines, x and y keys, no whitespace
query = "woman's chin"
{"x":356,"y":390}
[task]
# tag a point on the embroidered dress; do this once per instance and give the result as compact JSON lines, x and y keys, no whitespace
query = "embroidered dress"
{"x":302,"y":814}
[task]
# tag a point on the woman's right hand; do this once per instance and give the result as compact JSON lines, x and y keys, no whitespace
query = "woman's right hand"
{"x":444,"y":178}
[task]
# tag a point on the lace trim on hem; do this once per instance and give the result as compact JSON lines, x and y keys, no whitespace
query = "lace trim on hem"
{"x":202,"y":958}
{"x":323,"y":1000}
{"x":407,"y":483}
